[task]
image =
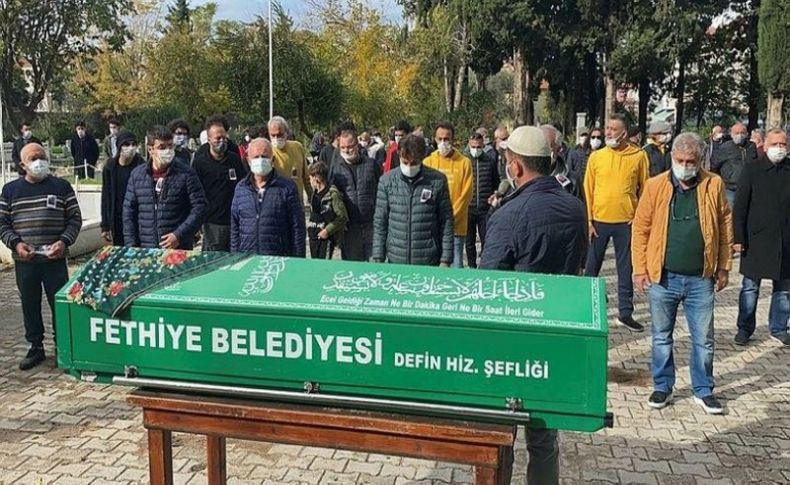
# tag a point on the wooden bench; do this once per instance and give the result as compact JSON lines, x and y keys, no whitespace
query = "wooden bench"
{"x":488,"y":447}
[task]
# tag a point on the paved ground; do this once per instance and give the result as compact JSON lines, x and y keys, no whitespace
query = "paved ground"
{"x":54,"y":429}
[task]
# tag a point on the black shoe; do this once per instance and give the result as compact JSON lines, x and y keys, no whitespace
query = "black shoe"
{"x":34,"y":357}
{"x":659,"y":399}
{"x":710,"y":404}
{"x":782,"y":338}
{"x":631,"y":324}
{"x":742,"y":338}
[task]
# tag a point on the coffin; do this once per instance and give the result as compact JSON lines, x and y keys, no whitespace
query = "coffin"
{"x":480,"y":345}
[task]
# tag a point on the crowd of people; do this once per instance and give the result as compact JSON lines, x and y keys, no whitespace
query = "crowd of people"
{"x":676,"y":210}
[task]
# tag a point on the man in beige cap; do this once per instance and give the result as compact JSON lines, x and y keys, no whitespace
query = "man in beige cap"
{"x":539,"y":228}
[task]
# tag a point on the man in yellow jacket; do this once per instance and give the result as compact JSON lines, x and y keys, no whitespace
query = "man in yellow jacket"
{"x":290,"y":157}
{"x":682,"y":239}
{"x":613,"y":182}
{"x":458,"y":170}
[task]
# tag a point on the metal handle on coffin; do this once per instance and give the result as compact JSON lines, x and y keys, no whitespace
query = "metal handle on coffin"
{"x":511,"y":416}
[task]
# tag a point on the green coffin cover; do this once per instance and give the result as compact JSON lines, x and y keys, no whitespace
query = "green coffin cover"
{"x":470,"y":338}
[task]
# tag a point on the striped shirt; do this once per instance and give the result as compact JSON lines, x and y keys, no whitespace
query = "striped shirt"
{"x":39,"y":213}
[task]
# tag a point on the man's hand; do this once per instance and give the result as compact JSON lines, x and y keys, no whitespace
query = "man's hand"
{"x":722,"y":278}
{"x":323,"y":234}
{"x":592,"y":233}
{"x":444,"y":265}
{"x":642,"y":282}
{"x":107,"y":236}
{"x":169,"y":241}
{"x":737,"y":248}
{"x":25,"y":251}
{"x":56,"y":250}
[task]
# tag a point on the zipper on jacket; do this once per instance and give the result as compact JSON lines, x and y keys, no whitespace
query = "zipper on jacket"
{"x":477,"y":184}
{"x":260,"y":194}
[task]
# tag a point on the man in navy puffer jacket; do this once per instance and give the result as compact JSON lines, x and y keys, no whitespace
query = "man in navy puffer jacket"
{"x":165,"y":203}
{"x":266,"y":216}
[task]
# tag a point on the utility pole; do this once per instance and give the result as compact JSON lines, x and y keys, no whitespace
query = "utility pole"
{"x":271,"y":64}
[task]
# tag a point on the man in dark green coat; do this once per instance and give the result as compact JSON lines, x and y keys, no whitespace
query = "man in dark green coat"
{"x":413,"y":222}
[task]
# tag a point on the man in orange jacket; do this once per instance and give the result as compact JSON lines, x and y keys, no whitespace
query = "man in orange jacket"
{"x":682,"y":240}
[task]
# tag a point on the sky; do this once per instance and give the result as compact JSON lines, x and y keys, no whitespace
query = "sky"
{"x":246,"y":10}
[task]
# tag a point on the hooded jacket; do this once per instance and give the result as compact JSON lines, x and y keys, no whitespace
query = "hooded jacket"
{"x":613,"y":183}
{"x":458,"y":170}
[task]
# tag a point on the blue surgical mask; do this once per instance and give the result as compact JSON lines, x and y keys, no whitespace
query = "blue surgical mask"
{"x":261,"y":166}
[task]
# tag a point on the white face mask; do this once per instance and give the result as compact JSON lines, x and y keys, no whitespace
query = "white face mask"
{"x":81,"y":133}
{"x":475,"y":152}
{"x":261,"y":166}
{"x":38,"y":169}
{"x":595,"y":143}
{"x":363,"y":144}
{"x":776,"y":154}
{"x":718,"y":136}
{"x":398,"y":138}
{"x":128,"y":152}
{"x":27,"y":134}
{"x":165,"y":156}
{"x":510,"y":178}
{"x":664,"y":138}
{"x":614,"y":142}
{"x":583,"y":139}
{"x":683,"y":172}
{"x":445,"y":148}
{"x":410,"y":171}
{"x":739,"y":138}
{"x":278,"y":142}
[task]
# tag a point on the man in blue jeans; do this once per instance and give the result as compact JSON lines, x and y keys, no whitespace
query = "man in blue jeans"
{"x":681,"y":251}
{"x":762,"y":236}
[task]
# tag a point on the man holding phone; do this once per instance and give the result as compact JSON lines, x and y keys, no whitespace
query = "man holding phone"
{"x":39,"y":219}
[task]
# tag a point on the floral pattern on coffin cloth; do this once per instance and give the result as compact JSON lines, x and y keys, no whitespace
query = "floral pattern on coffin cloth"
{"x":116,"y":276}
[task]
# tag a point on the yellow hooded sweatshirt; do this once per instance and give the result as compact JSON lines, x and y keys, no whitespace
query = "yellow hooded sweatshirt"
{"x":613,"y":183}
{"x":458,"y":170}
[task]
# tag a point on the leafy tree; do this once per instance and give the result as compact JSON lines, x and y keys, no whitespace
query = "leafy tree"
{"x":774,"y":27}
{"x":46,"y":37}
{"x":179,"y":15}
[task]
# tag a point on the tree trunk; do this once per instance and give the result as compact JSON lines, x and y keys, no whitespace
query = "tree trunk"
{"x":592,"y":87}
{"x":459,"y":87}
{"x":680,"y":105}
{"x":609,"y":100}
{"x":644,"y":99}
{"x":448,"y":89}
{"x":519,"y":86}
{"x":775,"y":111}
{"x":754,"y":91}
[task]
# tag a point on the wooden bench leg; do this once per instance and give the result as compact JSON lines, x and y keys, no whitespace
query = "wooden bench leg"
{"x":160,"y":456}
{"x":217,"y":465}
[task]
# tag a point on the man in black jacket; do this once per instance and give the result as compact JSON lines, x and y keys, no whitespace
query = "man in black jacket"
{"x":762,"y":236}
{"x":219,"y":171}
{"x":357,"y":176}
{"x":659,"y":134}
{"x":485,"y":177}
{"x":730,"y":160}
{"x":25,"y":137}
{"x":540,"y":228}
{"x":180,"y":130}
{"x":115,"y":180}
{"x":84,"y":151}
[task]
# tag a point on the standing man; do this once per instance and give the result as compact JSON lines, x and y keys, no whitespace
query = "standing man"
{"x":486,"y":181}
{"x":458,"y":170}
{"x":539,"y":228}
{"x":613,"y":182}
{"x":762,"y":237}
{"x":659,"y":134}
{"x":716,"y":141}
{"x":733,"y":156}
{"x":165,"y":204}
{"x":559,"y":169}
{"x":111,"y":141}
{"x":290,"y":158}
{"x":578,"y":158}
{"x":682,"y":239}
{"x":39,"y":219}
{"x":115,"y":181}
{"x":25,"y":137}
{"x":219,"y":171}
{"x":180,"y":130}
{"x":357,"y":177}
{"x":391,"y":161}
{"x":413,"y":223}
{"x":84,"y":151}
{"x":267,"y":215}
